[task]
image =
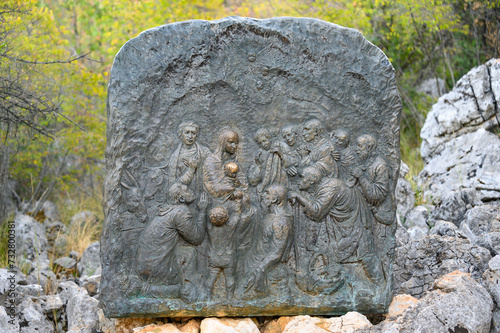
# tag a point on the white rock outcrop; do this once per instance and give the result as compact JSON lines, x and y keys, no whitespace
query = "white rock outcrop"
{"x":350,"y":322}
{"x":420,"y":262}
{"x":228,"y":325}
{"x":90,"y":263}
{"x":81,"y":309}
{"x":472,"y":104}
{"x":455,"y":303}
{"x":459,"y":151}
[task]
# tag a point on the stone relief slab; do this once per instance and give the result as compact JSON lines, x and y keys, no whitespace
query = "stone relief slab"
{"x":251,"y":169}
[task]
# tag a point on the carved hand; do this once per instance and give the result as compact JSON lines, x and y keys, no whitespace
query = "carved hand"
{"x":250,"y":282}
{"x":203,"y":202}
{"x":335,"y":154}
{"x":237,"y":194}
{"x":292,"y":171}
{"x":303,"y":150}
{"x":191,"y":163}
{"x":226,"y":188}
{"x":356,"y":172}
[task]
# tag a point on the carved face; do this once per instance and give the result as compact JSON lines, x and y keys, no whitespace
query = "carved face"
{"x":268,"y":198}
{"x":264,"y":142}
{"x":231,"y":170}
{"x":231,"y":145}
{"x":188,"y":135}
{"x":362,"y":148}
{"x":309,"y":132}
{"x":218,"y":216}
{"x":341,"y":138}
{"x":306,"y":181}
{"x":289,"y":136}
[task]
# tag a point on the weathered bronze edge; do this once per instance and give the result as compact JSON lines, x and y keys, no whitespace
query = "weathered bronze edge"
{"x":247,"y":313}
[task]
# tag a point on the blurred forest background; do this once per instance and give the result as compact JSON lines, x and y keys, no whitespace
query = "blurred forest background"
{"x":56,"y":55}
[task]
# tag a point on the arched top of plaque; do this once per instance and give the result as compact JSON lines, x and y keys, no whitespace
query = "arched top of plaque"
{"x":220,"y":120}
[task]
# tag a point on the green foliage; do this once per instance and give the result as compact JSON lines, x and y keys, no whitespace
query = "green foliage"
{"x":4,"y":245}
{"x":422,"y":39}
{"x":38,"y":55}
{"x":60,"y":30}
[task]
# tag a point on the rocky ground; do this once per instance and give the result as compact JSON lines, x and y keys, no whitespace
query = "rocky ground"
{"x":447,"y":268}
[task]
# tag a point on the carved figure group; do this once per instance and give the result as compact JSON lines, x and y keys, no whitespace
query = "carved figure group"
{"x":310,"y":208}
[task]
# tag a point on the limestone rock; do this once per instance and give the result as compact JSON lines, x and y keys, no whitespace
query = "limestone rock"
{"x":91,"y":284}
{"x":418,"y":216}
{"x":419,"y":263}
{"x":80,"y":218}
{"x":49,"y":303}
{"x":399,"y":305}
{"x":491,"y":278}
{"x":165,"y":328}
{"x":61,"y":244}
{"x":55,"y":231}
{"x":456,"y":303}
{"x":43,"y":275}
{"x":7,"y":281}
{"x":434,"y":87}
{"x":65,"y":263}
{"x":405,"y":196}
{"x":30,"y":290}
{"x":51,"y":212}
{"x":470,"y":161}
{"x":490,"y":241}
{"x":48,"y":211}
{"x":484,"y":218}
{"x":81,"y":309}
{"x":192,"y":326}
{"x":8,"y":324}
{"x":468,"y":107}
{"x":228,"y":325}
{"x":90,"y":263}
{"x":31,"y":242}
{"x":444,"y":228}
{"x":482,"y":226}
{"x":74,"y":255}
{"x":126,"y":325}
{"x":350,"y":322}
{"x":106,"y":325}
{"x":402,"y":236}
{"x":453,"y":205}
{"x":495,"y":321}
{"x":276,"y":325}
{"x":31,"y":250}
{"x":494,"y":263}
{"x":417,"y":233}
{"x":21,"y":278}
{"x":32,"y":319}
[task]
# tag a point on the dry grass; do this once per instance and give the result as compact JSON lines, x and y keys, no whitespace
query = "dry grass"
{"x":4,"y":241}
{"x":80,"y":235}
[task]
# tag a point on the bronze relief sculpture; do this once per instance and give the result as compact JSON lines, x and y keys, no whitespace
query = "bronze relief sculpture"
{"x":275,"y":196}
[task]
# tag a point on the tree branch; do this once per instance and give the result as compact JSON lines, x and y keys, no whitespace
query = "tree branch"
{"x":36,"y":62}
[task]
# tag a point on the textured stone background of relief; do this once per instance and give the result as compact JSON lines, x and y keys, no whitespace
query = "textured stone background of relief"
{"x":242,"y":74}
